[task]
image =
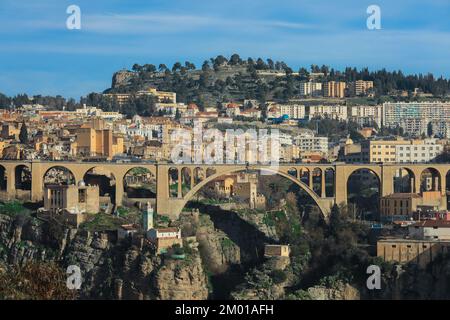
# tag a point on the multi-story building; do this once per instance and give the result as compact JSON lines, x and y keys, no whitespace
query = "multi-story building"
{"x":418,"y":151}
{"x":400,"y":151}
{"x":95,"y":141}
{"x":309,"y":143}
{"x":360,"y":87}
{"x":441,"y":128}
{"x":336,"y":112}
{"x":293,"y":111}
{"x":310,"y":88}
{"x":367,"y":115}
{"x":414,"y":117}
{"x":334,"y":89}
{"x":162,"y":96}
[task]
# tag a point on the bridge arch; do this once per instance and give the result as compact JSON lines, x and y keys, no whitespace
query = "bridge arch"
{"x":139,"y":183}
{"x":364,"y":191}
{"x":3,"y":178}
{"x":323,"y":204}
{"x":430,"y":180}
{"x":105,"y":179}
{"x":404,"y":181}
{"x":53,"y":176}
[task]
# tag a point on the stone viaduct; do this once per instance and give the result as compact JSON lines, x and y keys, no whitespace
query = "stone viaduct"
{"x":309,"y":177}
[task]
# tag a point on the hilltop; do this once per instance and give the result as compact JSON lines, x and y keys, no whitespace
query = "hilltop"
{"x":223,"y":80}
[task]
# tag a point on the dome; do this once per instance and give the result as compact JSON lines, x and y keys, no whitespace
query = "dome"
{"x":81,"y":183}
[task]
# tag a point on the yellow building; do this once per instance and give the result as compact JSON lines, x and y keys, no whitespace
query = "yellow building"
{"x":334,"y":89}
{"x":162,"y":96}
{"x":10,"y":130}
{"x":272,"y":250}
{"x":421,"y":252}
{"x":381,"y":150}
{"x":97,"y":142}
{"x":361,"y":87}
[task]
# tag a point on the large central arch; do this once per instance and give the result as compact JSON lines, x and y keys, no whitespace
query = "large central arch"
{"x":320,"y":202}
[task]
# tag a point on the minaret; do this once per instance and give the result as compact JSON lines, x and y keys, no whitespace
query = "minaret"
{"x":147,"y":216}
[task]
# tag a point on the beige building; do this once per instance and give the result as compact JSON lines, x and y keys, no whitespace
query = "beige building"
{"x":421,"y":252}
{"x":360,"y":87}
{"x":405,"y":204}
{"x":275,"y":250}
{"x":11,"y":130}
{"x":94,"y":142}
{"x":162,"y":96}
{"x":74,"y":199}
{"x":400,"y":151}
{"x":337,"y":112}
{"x":334,"y":89}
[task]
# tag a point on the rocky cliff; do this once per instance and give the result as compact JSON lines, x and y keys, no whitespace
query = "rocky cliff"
{"x":110,"y":269}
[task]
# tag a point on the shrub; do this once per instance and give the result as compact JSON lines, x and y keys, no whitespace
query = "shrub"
{"x":278,"y":276}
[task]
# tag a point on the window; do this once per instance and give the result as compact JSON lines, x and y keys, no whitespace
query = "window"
{"x":82,"y":195}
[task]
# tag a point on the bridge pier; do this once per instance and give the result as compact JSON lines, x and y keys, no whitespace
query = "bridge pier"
{"x":37,"y":183}
{"x":119,"y":192}
{"x":11,"y":182}
{"x":322,"y":185}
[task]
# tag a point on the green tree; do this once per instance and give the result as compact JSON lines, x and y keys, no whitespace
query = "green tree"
{"x":23,"y":135}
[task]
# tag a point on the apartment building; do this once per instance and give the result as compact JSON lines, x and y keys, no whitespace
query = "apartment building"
{"x":360,"y":87}
{"x":162,"y":96}
{"x":310,"y":88}
{"x":419,"y":151}
{"x":307,"y":142}
{"x":293,"y":111}
{"x":414,"y":117}
{"x":400,"y":151}
{"x":367,"y":115}
{"x":336,"y":112}
{"x":334,"y":89}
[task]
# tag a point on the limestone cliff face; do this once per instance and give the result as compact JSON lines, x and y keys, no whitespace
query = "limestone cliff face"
{"x":178,"y":280}
{"x":121,"y":78}
{"x":218,"y":251}
{"x":110,"y":270}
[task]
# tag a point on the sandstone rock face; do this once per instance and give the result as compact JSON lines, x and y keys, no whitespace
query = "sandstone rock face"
{"x":178,"y":280}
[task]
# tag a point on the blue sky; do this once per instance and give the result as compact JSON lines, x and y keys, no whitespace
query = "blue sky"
{"x":38,"y":55}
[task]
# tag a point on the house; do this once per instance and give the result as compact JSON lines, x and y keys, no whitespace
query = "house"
{"x":275,"y":250}
{"x":165,"y":238}
{"x":126,"y":231}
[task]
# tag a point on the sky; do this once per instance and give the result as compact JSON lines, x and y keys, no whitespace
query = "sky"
{"x":40,"y":55}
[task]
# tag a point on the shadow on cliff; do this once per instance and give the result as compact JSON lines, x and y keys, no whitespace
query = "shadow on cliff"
{"x":246,"y":236}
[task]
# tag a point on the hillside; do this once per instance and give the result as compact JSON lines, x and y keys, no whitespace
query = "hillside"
{"x":222,"y":80}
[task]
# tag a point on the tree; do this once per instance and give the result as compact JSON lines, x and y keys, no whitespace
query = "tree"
{"x":23,"y":135}
{"x":235,"y":59}
{"x":136,"y":67}
{"x":430,"y":129}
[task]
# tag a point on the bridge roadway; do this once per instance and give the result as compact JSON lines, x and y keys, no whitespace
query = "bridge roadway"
{"x":201,"y":174}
